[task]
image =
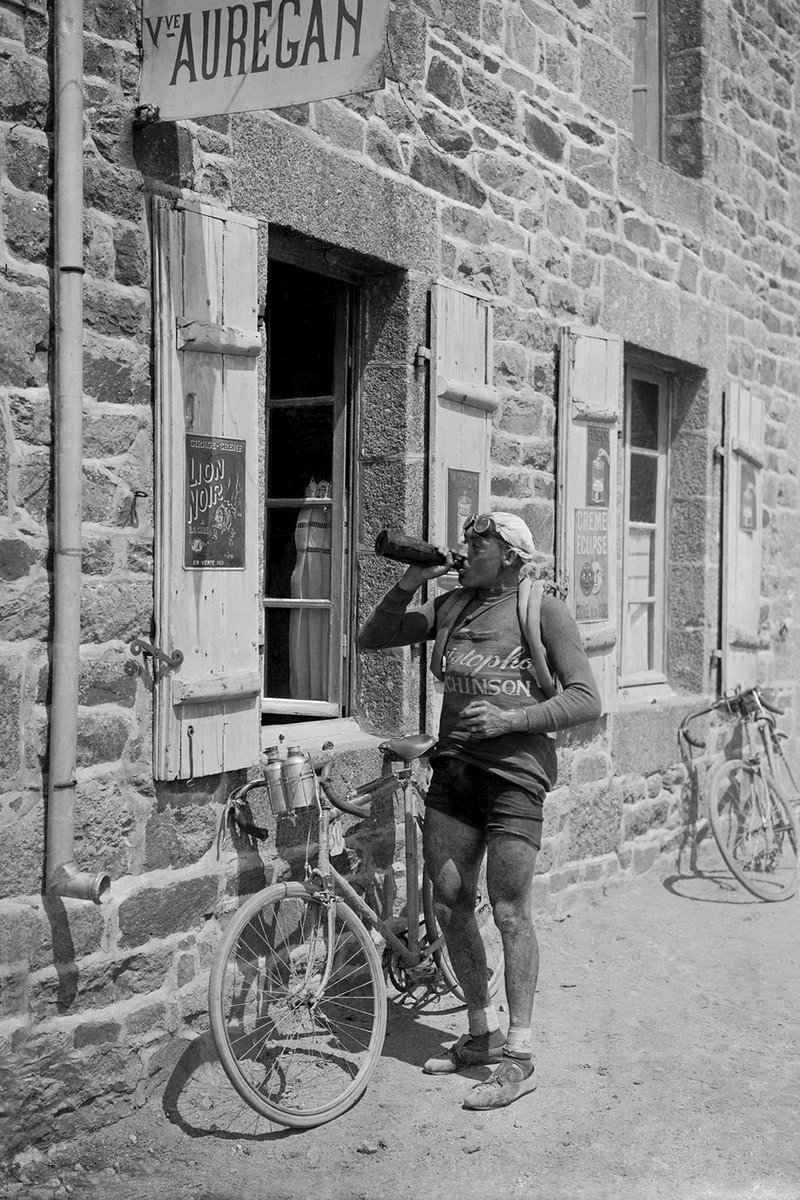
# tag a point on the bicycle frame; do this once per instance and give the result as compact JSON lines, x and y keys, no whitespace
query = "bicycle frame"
{"x":325,"y":878}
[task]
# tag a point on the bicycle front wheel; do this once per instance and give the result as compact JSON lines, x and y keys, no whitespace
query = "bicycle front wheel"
{"x":298,"y":1005}
{"x":490,"y":936}
{"x":755,"y":829}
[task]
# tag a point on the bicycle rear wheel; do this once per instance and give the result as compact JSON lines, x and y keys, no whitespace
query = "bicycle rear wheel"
{"x":755,"y":829}
{"x":299,"y":1048}
{"x":490,"y":935}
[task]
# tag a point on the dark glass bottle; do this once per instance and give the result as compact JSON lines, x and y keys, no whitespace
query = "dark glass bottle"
{"x":401,"y":547}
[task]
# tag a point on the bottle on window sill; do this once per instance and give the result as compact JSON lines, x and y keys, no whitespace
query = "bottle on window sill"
{"x":401,"y":547}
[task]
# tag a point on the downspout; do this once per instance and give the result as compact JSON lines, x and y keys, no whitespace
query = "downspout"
{"x":63,"y":877}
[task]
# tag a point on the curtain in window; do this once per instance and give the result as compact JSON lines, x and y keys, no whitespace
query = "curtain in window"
{"x":311,"y":580}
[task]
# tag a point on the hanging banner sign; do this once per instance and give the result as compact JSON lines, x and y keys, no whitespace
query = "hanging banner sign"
{"x":199,"y":60}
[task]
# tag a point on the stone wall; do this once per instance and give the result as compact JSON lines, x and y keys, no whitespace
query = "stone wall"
{"x":499,"y":154}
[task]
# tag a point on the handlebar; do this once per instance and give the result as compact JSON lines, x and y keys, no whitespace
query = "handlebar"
{"x":741,"y":703}
{"x":367,"y":792}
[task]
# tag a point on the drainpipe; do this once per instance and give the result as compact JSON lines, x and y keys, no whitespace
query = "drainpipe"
{"x":63,"y":877}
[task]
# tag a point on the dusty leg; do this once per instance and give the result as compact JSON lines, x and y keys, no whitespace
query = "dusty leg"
{"x":453,"y":855}
{"x":509,"y":876}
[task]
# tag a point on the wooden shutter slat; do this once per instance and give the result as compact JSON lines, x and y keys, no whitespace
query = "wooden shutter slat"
{"x":474,"y":395}
{"x":216,"y":687}
{"x":206,"y":338}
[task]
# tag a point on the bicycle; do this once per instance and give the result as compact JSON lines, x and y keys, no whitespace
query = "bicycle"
{"x":754,"y":825}
{"x":297,"y":994}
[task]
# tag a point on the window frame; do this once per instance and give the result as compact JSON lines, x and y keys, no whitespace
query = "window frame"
{"x":647,"y":117}
{"x":654,"y":677}
{"x":275,"y":710}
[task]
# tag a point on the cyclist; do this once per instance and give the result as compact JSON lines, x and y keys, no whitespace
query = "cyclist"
{"x":492,"y":766}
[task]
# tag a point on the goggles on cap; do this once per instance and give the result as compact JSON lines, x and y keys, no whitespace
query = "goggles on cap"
{"x":486,"y":526}
{"x":483,"y":525}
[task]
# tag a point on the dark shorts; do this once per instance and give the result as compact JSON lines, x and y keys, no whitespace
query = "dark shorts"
{"x":485,"y":801}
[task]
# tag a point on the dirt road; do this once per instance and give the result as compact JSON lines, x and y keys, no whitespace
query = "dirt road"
{"x":667,"y":1019}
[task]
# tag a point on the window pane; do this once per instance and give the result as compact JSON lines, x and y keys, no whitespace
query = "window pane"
{"x":296,"y":654}
{"x":299,"y":553}
{"x":640,"y":564}
{"x":301,"y":333}
{"x":300,"y":441}
{"x":644,"y":488}
{"x":644,"y":414}
{"x":638,"y":641}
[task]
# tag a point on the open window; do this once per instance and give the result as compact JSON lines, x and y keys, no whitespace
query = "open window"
{"x":645,"y":525}
{"x":636,"y":469}
{"x":308,"y":464}
{"x":668,"y":583}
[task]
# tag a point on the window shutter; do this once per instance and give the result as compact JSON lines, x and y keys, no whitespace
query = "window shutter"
{"x":207,"y":345}
{"x":647,"y":77}
{"x":462,"y":402}
{"x":741,"y":520}
{"x":590,"y":391}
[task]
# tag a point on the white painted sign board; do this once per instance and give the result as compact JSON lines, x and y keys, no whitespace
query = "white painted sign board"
{"x":199,"y":60}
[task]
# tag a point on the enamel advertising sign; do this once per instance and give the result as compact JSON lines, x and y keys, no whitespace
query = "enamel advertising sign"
{"x":215,"y":485}
{"x":199,"y":60}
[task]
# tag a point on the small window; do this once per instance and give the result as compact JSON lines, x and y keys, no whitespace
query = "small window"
{"x":648,"y":83}
{"x":307,"y":488}
{"x":645,"y":524}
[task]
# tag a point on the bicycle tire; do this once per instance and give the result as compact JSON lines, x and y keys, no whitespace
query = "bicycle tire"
{"x":297,"y":1058}
{"x":490,"y":934}
{"x":755,"y":829}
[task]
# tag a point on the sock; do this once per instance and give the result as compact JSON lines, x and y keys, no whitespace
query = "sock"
{"x":519,"y":1043}
{"x":482,"y":1020}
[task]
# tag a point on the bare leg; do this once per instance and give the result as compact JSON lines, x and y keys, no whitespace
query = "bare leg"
{"x":511,"y":861}
{"x":453,"y":855}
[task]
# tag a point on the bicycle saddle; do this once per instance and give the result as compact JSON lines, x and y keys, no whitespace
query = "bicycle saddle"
{"x":406,"y":749}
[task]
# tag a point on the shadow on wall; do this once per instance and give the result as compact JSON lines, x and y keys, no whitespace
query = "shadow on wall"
{"x":63,"y":952}
{"x":164,"y":151}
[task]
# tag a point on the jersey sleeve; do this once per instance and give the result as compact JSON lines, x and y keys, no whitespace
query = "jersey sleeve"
{"x":393,"y":623}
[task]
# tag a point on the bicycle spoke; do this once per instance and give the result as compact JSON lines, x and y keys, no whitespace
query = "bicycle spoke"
{"x":300,"y":1014}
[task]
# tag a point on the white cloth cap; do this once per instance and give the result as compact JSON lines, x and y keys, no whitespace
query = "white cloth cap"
{"x":513,"y":530}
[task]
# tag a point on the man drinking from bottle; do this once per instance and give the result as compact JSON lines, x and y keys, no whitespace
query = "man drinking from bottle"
{"x":493,"y":764}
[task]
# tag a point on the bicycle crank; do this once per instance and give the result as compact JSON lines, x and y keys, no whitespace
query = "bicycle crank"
{"x":408,"y":978}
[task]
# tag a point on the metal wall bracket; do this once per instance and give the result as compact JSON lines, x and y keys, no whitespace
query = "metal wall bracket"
{"x":144,"y":114}
{"x":172,"y":661}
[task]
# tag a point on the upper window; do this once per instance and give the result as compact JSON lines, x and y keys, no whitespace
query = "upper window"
{"x":645,"y":525}
{"x":648,"y":82}
{"x":307,"y":489}
{"x":667,"y":99}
